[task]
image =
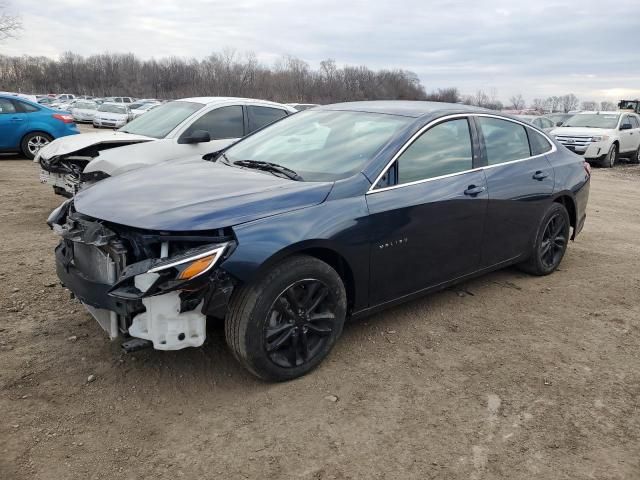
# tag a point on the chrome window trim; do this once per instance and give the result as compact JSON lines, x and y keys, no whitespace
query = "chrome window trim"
{"x":415,"y":136}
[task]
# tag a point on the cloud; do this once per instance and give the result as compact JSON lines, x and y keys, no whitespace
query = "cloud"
{"x":537,"y":49}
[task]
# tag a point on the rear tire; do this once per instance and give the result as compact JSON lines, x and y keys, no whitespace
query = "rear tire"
{"x":283,"y":325}
{"x":550,"y":243}
{"x":32,"y":142}
{"x":611,"y":157}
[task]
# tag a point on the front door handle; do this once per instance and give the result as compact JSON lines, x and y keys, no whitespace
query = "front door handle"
{"x":473,"y":190}
{"x":540,"y":175}
{"x":16,"y":119}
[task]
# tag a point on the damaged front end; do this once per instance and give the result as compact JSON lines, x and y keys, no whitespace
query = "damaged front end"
{"x":64,"y":170}
{"x":156,"y":287}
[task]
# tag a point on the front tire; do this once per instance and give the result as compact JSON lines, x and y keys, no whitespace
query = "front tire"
{"x":33,"y":142}
{"x":283,"y":325}
{"x":611,"y":157}
{"x":550,"y":243}
{"x":635,"y":158}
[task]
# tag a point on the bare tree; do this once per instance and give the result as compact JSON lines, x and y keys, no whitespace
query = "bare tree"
{"x":226,"y":73}
{"x":540,"y":105}
{"x":589,"y":106}
{"x":569,"y":102}
{"x":517,"y":102}
{"x":607,"y":106}
{"x":449,"y":95}
{"x":9,"y":24}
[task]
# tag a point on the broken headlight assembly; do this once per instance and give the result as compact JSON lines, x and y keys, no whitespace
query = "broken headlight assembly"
{"x":185,"y":271}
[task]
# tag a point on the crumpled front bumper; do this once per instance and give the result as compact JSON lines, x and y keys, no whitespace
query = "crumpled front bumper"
{"x":91,"y":263}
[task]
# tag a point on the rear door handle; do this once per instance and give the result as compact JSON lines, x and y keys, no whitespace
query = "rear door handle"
{"x":540,"y":175}
{"x":473,"y":190}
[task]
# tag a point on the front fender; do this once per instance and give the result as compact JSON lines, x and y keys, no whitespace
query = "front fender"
{"x":340,"y":226}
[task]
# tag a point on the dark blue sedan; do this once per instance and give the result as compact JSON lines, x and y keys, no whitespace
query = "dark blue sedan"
{"x":26,"y":126}
{"x":329,"y":214}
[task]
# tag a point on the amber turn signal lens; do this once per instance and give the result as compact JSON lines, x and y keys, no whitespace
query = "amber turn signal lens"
{"x":197,"y":267}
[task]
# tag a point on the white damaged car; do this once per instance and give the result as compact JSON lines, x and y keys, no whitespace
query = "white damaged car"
{"x":190,"y":126}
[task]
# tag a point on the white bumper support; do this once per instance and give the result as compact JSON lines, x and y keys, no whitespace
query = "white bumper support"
{"x":164,"y":325}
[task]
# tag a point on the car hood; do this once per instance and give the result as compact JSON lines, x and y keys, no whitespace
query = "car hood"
{"x":195,"y":194}
{"x":111,"y":116}
{"x":585,"y":131}
{"x":131,"y":157}
{"x":74,"y":143}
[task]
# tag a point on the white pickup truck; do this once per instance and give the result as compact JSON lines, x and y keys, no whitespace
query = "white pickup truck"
{"x":602,"y":136}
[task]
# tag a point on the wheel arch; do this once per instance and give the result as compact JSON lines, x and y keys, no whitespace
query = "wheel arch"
{"x":323,"y":250}
{"x":566,"y":199}
{"x":37,"y":130}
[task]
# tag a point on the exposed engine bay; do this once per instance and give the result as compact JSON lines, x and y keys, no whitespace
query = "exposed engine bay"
{"x":156,"y":287}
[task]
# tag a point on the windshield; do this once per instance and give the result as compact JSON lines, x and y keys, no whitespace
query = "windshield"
{"x":112,"y":108}
{"x":157,"y":123}
{"x":85,"y":105}
{"x":593,"y":120}
{"x":320,"y":145}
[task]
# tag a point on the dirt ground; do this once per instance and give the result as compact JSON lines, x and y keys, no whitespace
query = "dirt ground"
{"x":506,"y":377}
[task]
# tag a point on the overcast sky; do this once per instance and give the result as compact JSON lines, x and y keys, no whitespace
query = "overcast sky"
{"x":536,"y":47}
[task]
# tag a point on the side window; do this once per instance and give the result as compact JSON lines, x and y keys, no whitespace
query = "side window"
{"x":546,"y":123}
{"x":223,"y":122}
{"x":537,"y":122}
{"x":6,"y":106}
{"x":504,"y":141}
{"x":441,"y":150}
{"x":261,"y":116}
{"x":626,"y":120}
{"x":634,"y":122}
{"x":25,"y":107}
{"x":538,"y":143}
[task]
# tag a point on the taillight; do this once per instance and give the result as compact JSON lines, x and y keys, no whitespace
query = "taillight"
{"x":63,"y":117}
{"x":587,"y":168}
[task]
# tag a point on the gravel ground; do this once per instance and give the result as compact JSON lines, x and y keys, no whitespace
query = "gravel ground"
{"x":505,"y":377}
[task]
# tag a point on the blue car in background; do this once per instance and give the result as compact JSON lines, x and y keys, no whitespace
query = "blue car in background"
{"x":26,"y":126}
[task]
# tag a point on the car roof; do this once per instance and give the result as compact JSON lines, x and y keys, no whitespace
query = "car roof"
{"x":219,"y":100}
{"x":601,"y":113}
{"x":407,"y":108}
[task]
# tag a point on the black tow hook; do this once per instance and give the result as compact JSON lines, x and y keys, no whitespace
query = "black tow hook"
{"x":135,"y":344}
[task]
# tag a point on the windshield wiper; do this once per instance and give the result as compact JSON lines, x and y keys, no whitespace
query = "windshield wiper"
{"x":269,"y":167}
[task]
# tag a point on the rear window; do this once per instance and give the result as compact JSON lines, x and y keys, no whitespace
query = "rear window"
{"x":262,"y":116}
{"x":504,"y":141}
{"x":538,"y":143}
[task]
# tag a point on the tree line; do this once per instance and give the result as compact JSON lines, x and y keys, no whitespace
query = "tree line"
{"x":226,"y":73}
{"x":229,"y":73}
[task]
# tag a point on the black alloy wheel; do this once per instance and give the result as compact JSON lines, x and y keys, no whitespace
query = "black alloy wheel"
{"x":299,"y":323}
{"x":285,"y":322}
{"x":550,"y":243}
{"x":554,"y":241}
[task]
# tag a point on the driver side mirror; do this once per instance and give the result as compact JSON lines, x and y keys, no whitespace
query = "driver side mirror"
{"x":559,"y":124}
{"x":626,"y":126}
{"x":197,"y":136}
